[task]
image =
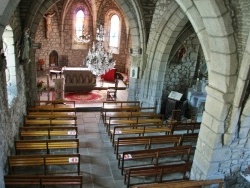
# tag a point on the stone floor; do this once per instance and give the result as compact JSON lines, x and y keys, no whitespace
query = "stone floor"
{"x":98,"y":163}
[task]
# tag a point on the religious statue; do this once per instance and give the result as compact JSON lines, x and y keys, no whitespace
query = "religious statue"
{"x":25,"y":45}
{"x":48,"y":19}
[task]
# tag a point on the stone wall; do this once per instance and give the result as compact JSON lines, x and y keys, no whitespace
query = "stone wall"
{"x":11,"y":117}
{"x":75,"y":55}
{"x":180,"y":74}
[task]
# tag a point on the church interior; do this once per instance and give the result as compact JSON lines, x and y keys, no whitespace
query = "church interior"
{"x":175,"y":56}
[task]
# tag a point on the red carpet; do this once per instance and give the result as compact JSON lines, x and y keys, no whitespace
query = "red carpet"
{"x":94,"y":96}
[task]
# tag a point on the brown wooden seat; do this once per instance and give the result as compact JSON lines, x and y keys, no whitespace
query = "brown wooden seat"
{"x":42,"y":180}
{"x":183,"y":184}
{"x":112,"y":92}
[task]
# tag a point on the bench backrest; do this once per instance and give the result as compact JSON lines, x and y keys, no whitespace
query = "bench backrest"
{"x":55,"y":103}
{"x":50,"y":116}
{"x":45,"y":162}
{"x":49,"y":122}
{"x":189,"y":127}
{"x":157,"y":156}
{"x":47,"y":145}
{"x":183,"y":184}
{"x":42,"y":180}
{"x":51,"y":109}
{"x":47,"y":131}
{"x":159,"y":172}
{"x":148,"y":141}
{"x":120,"y":103}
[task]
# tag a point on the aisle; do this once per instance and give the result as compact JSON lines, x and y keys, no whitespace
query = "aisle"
{"x":98,"y":162}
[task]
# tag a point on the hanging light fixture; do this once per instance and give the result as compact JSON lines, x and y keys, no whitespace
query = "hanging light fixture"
{"x":85,"y":38}
{"x":98,"y":59}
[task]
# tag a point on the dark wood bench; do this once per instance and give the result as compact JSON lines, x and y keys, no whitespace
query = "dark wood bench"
{"x":138,"y":129}
{"x":42,"y":180}
{"x":46,"y":145}
{"x":51,"y":116}
{"x":48,"y":132}
{"x":58,"y":103}
{"x":117,"y":106}
{"x":50,"y":122}
{"x":34,"y":112}
{"x":133,"y":120}
{"x":153,"y":157}
{"x":183,"y":127}
{"x":183,"y":184}
{"x":43,"y":164}
{"x":138,"y":111}
{"x":158,"y":172}
{"x":147,"y":141}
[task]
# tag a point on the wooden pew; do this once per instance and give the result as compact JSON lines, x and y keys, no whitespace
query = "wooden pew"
{"x":154,"y":157}
{"x":50,"y":122}
{"x":54,"y":104}
{"x":41,"y":164}
{"x":117,"y":106}
{"x":133,"y":120}
{"x":141,"y":111}
{"x":34,"y":112}
{"x":51,"y":116}
{"x":48,"y":132}
{"x":183,"y":184}
{"x":184,"y":127}
{"x":158,"y":172}
{"x":190,"y":139}
{"x":139,"y":129}
{"x":46,"y":145}
{"x":51,"y":110}
{"x":147,"y":141}
{"x":42,"y":180}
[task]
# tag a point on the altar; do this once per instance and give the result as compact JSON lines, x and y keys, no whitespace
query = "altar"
{"x":78,"y":79}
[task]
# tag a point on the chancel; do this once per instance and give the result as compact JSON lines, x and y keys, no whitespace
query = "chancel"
{"x":138,"y":73}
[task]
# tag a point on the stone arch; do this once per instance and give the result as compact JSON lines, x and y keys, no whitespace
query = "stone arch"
{"x":53,"y":58}
{"x":241,"y":101}
{"x":161,"y":43}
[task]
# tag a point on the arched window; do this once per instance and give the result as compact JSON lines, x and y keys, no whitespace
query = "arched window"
{"x":8,"y":49}
{"x":79,"y":24}
{"x":114,"y":31}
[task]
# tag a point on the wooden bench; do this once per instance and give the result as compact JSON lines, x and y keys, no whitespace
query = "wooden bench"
{"x":43,"y":164}
{"x":52,"y":109}
{"x":116,"y":106}
{"x":50,"y":122}
{"x":42,"y":180}
{"x":33,"y":112}
{"x":48,"y":132}
{"x":143,"y":111}
{"x":47,"y":145}
{"x":153,"y":157}
{"x":183,"y":184}
{"x":139,"y":129}
{"x":58,"y":103}
{"x":50,"y":116}
{"x":158,"y":172}
{"x":147,"y":141}
{"x":133,"y":120}
{"x":189,"y":127}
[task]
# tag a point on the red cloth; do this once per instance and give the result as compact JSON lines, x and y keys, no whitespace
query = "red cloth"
{"x":109,"y":75}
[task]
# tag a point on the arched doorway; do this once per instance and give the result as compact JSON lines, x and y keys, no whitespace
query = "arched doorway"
{"x":53,"y":58}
